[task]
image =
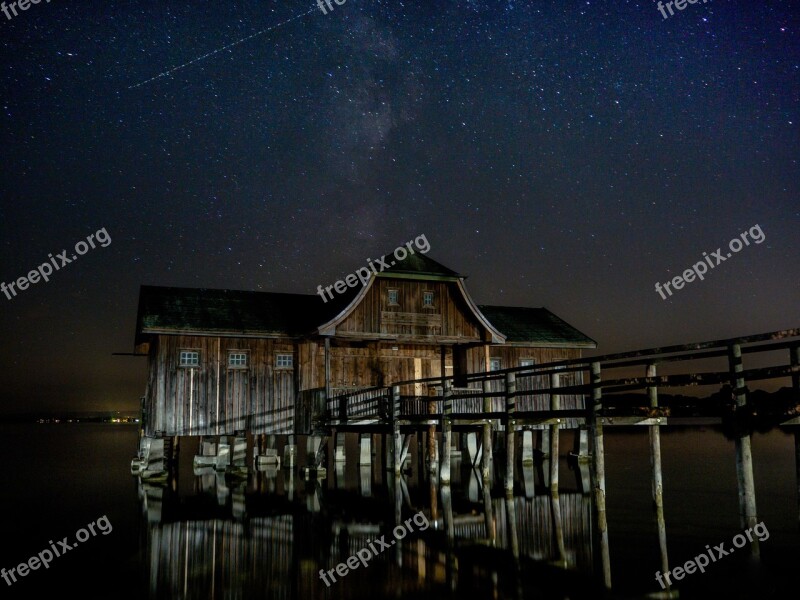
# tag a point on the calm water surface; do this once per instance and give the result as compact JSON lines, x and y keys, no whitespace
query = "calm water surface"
{"x":207,"y":536}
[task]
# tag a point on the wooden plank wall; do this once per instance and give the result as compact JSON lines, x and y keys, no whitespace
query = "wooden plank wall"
{"x":448,"y":304}
{"x":214,"y":399}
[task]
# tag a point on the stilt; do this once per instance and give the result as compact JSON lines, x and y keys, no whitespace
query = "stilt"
{"x":596,"y":421}
{"x":340,"y":439}
{"x":447,"y":434}
{"x":486,"y":463}
{"x":397,"y":456}
{"x":581,"y":445}
{"x":794,"y":361}
{"x":365,"y":447}
{"x":511,"y":399}
{"x":544,"y":441}
{"x":555,"y":404}
{"x":744,"y":454}
{"x":290,"y":452}
{"x":527,"y":447}
{"x":655,"y":463}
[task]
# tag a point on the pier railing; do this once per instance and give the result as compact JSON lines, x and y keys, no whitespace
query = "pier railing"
{"x":487,"y":394}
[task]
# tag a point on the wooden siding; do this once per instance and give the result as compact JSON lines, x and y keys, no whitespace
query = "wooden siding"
{"x":213,"y":399}
{"x":409,"y":320}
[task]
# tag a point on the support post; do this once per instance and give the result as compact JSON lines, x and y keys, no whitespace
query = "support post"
{"x":447,"y":433}
{"x":327,"y":369}
{"x":394,"y":398}
{"x":555,"y":404}
{"x":511,"y":409}
{"x":794,"y":361}
{"x":655,"y":464}
{"x":596,"y":421}
{"x":744,"y":453}
{"x":486,"y":459}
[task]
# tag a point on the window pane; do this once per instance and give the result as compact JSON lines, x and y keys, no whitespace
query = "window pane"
{"x":494,"y":364}
{"x":237,"y":359}
{"x":189,"y":358}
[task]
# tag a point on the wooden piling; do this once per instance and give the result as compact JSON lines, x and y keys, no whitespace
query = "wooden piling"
{"x":655,"y":464}
{"x":447,"y":434}
{"x":511,"y":409}
{"x":397,"y":462}
{"x":598,"y":462}
{"x":794,"y":361}
{"x":555,"y":404}
{"x":486,"y":461}
{"x":744,"y":454}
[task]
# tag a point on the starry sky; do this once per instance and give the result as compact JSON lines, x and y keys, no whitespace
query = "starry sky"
{"x":560,"y":154}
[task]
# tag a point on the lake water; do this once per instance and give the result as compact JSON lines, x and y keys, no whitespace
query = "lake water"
{"x":268,"y":536}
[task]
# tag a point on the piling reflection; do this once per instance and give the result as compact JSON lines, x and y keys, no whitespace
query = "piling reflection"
{"x":269,"y":535}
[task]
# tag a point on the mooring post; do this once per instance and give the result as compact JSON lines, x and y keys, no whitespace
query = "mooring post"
{"x":432,"y":434}
{"x":794,"y":360}
{"x":655,"y":463}
{"x":511,"y":409}
{"x":555,"y":404}
{"x":596,"y":421}
{"x":744,"y":453}
{"x":486,"y":459}
{"x":394,"y":398}
{"x":447,"y":433}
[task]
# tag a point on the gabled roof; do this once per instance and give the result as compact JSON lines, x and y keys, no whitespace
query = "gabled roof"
{"x":236,"y":313}
{"x":535,"y":325}
{"x":418,"y":266}
{"x":232,"y":312}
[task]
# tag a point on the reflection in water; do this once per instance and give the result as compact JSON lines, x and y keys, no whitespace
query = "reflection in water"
{"x":269,"y":536}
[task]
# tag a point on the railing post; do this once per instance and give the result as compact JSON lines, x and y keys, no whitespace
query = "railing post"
{"x":511,"y":409}
{"x":487,"y":458}
{"x":744,"y":453}
{"x":447,"y":434}
{"x":598,"y":459}
{"x":397,"y":459}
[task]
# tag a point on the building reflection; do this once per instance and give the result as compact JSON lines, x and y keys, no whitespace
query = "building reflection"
{"x":269,"y":535}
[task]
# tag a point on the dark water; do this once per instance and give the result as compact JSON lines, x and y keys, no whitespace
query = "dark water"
{"x":268,"y":536}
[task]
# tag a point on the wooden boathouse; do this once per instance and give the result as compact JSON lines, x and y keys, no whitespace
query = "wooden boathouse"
{"x":231,"y":363}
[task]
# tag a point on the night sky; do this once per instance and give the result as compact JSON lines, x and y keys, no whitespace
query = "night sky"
{"x":560,"y":154}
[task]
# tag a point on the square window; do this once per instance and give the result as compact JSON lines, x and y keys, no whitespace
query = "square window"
{"x":495,"y":364}
{"x":237,"y":359}
{"x":189,"y":358}
{"x":284,"y":361}
{"x":394,"y":297}
{"x":427,"y":298}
